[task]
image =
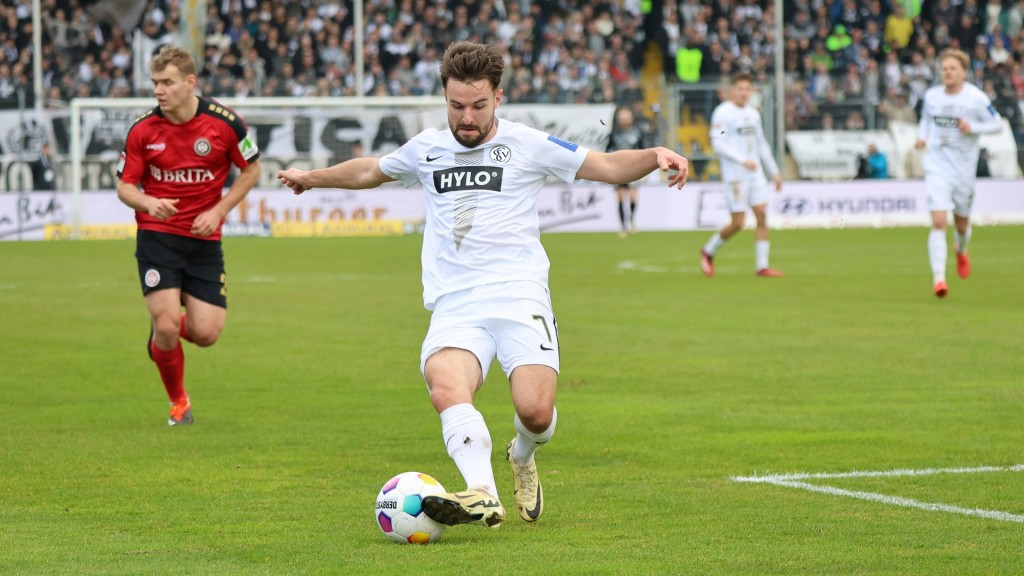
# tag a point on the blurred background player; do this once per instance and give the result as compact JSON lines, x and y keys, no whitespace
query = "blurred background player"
{"x":173,"y":169}
{"x":485,"y":272}
{"x":626,"y":134}
{"x":743,"y":153}
{"x":952,"y":117}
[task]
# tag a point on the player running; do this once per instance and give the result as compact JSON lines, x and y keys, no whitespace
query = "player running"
{"x":173,"y":169}
{"x":743,"y":153}
{"x":485,"y":272}
{"x":953,"y":116}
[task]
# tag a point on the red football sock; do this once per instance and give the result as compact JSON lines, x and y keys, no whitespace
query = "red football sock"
{"x":171,"y":364}
{"x":183,"y":331}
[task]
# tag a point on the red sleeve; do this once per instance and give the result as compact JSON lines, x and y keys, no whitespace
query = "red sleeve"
{"x":130,"y":167}
{"x":243,"y":150}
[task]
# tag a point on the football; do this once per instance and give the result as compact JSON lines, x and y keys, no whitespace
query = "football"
{"x":399,"y":511}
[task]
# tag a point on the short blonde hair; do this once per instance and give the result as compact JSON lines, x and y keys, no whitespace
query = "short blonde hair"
{"x":956,"y":54}
{"x":176,"y":56}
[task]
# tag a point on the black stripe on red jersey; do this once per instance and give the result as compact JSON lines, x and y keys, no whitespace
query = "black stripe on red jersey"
{"x":210,"y":107}
{"x":217,"y":110}
{"x":144,"y":116}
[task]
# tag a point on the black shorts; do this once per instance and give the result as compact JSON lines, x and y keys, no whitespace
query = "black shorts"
{"x":172,"y":261}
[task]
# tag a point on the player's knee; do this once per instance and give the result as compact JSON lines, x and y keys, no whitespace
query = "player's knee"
{"x":444,"y":397}
{"x":205,"y":338}
{"x":165,"y":328}
{"x":537,"y":419}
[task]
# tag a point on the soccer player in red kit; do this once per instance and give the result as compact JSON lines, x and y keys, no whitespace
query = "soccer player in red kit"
{"x":173,"y":170}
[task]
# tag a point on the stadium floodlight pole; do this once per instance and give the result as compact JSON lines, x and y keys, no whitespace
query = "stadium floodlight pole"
{"x":37,"y":55}
{"x":358,"y":56}
{"x":780,"y":89}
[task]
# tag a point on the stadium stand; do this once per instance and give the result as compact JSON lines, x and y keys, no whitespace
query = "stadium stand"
{"x":842,"y":58}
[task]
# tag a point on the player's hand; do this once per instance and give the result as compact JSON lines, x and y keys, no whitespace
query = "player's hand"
{"x":919,"y":144}
{"x":295,"y":179}
{"x":963,"y":125}
{"x":669,"y":160}
{"x":162,"y":208}
{"x":206,"y":223}
{"x":778,"y":182}
{"x":750,"y":165}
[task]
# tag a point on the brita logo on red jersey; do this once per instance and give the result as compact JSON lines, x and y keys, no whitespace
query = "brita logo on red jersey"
{"x":183,"y":176}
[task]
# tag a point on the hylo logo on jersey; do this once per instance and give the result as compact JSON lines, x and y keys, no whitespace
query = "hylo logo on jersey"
{"x":202,"y":147}
{"x":747,"y":131}
{"x":152,"y":278}
{"x":946,"y":121}
{"x":471,"y":178}
{"x":501,"y":154}
{"x":158,"y":147}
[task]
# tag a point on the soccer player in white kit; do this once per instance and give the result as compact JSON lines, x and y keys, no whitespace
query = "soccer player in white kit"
{"x":744,"y":155}
{"x":952,"y":117}
{"x":485,"y":272}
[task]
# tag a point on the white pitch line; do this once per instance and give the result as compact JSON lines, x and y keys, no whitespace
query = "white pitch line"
{"x":774,"y":478}
{"x":792,"y":481}
{"x":905,"y":502}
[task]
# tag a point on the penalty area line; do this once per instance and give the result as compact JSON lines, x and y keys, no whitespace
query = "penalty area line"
{"x":772,"y":478}
{"x":904,"y":502}
{"x":794,"y":481}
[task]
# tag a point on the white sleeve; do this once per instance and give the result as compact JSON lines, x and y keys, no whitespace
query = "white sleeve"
{"x":401,"y":164}
{"x":986,"y":119}
{"x":553,"y":156}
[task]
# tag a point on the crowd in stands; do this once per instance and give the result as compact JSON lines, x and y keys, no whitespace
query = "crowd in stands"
{"x":843,"y":57}
{"x":840,"y":56}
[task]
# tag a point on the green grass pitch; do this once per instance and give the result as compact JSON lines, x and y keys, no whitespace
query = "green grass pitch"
{"x":671,"y":386}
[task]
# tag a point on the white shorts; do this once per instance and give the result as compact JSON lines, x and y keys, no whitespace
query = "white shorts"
{"x":512,"y":321}
{"x":742,"y":194}
{"x":946,"y":194}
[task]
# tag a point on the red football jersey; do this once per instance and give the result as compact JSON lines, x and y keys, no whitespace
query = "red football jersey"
{"x":189,"y":161}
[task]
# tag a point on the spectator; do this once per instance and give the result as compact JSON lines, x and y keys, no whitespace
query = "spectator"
{"x":983,"y":169}
{"x":837,"y":44}
{"x":898,"y":28}
{"x":43,"y":174}
{"x":874,"y":165}
{"x":854,"y":121}
{"x":917,"y":76}
{"x":896,"y":108}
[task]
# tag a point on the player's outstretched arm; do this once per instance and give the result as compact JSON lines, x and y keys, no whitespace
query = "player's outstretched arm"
{"x":355,"y":174}
{"x":625,"y":166}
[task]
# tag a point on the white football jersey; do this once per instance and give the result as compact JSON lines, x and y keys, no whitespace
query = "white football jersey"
{"x":482,"y":225}
{"x":949,"y":152}
{"x":737,"y":136}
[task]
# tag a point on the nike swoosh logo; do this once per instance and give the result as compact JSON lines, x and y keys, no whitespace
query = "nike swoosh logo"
{"x":535,"y":511}
{"x":429,"y":159}
{"x":543,"y":347}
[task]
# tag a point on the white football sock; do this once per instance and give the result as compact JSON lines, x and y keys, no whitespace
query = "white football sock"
{"x":469,"y":444}
{"x":761,"y":248}
{"x":937,"y":252}
{"x":713,"y":244}
{"x":962,"y":239}
{"x":527,"y":443}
